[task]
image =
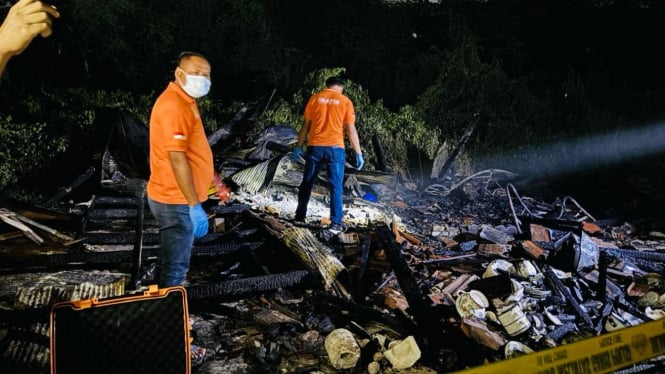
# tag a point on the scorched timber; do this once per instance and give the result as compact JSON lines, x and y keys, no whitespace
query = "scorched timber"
{"x":429,"y":328}
{"x":114,"y":213}
{"x":239,"y":287}
{"x":118,"y":238}
{"x":568,"y":296}
{"x":230,"y":209}
{"x":116,"y":202}
{"x":114,"y":238}
{"x":223,"y":249}
{"x":632,"y":253}
{"x":91,"y":258}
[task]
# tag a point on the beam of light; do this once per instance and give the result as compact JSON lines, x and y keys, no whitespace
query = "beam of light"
{"x":591,"y":152}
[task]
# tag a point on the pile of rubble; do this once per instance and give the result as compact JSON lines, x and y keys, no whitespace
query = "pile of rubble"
{"x":424,"y":279}
{"x":438,"y":282}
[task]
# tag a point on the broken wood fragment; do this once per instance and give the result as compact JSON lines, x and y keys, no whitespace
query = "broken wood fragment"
{"x":533,"y":250}
{"x":409,"y":237}
{"x":11,"y":235}
{"x":12,"y":219}
{"x":539,"y":233}
{"x":64,"y":191}
{"x":55,"y":233}
{"x":273,"y":225}
{"x":494,"y":250}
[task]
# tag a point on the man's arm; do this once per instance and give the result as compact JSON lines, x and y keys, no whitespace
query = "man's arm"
{"x":304,"y":130}
{"x":353,"y":137}
{"x":25,"y":20}
{"x":183,"y":176}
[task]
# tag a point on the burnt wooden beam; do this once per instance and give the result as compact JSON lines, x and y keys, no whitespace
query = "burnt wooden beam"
{"x":223,"y":249}
{"x":463,"y":140}
{"x":633,"y":253}
{"x":64,"y":191}
{"x":378,"y":151}
{"x":230,"y":209}
{"x":135,"y":282}
{"x":212,"y":238}
{"x":429,"y":328}
{"x":551,"y":223}
{"x":568,"y":297}
{"x":116,"y":213}
{"x":92,"y":258}
{"x":128,"y":238}
{"x":117,"y":201}
{"x":239,"y":287}
{"x":85,"y":219}
{"x":601,"y":287}
{"x":407,"y":281}
{"x":340,"y":307}
{"x":59,"y":260}
{"x":118,"y":238}
{"x":246,"y":233}
{"x":365,"y":244}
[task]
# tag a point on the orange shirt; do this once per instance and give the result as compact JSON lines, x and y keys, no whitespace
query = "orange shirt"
{"x":175,"y":125}
{"x":329,"y":111}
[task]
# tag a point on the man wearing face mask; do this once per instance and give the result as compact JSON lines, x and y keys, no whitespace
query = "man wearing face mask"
{"x":181,"y":167}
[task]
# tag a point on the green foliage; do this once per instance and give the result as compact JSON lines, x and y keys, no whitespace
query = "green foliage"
{"x":73,"y":108}
{"x":282,"y":112}
{"x":212,"y":113}
{"x":26,"y":148}
{"x":45,"y":123}
{"x":509,"y":117}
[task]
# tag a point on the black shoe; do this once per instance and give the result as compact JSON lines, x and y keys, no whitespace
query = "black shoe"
{"x":300,"y":222}
{"x":336,"y":228}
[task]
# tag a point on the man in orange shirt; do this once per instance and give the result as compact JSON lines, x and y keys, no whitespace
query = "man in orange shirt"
{"x":328,"y":115}
{"x":181,"y":167}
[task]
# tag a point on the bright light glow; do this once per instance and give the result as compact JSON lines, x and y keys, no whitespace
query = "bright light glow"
{"x":586,"y":153}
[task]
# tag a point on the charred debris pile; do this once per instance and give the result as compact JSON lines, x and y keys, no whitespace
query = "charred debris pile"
{"x":433,"y":278}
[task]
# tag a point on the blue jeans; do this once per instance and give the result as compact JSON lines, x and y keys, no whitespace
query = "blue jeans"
{"x":176,"y":234}
{"x":333,"y":159}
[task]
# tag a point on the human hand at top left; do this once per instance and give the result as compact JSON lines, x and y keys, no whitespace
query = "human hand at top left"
{"x":26,"y":19}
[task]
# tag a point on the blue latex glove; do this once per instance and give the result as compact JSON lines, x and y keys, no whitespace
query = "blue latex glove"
{"x":199,"y":219}
{"x":297,"y":153}
{"x":359,"y":161}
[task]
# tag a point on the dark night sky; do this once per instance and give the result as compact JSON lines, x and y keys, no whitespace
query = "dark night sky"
{"x":617,"y":48}
{"x":623,"y":45}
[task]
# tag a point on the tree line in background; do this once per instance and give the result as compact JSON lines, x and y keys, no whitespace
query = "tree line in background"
{"x":419,"y":74}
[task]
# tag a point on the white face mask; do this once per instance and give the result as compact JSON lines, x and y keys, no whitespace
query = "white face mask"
{"x":196,"y":86}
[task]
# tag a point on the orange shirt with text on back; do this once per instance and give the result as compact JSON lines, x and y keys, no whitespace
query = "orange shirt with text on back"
{"x":176,"y":126}
{"x":329,"y":111}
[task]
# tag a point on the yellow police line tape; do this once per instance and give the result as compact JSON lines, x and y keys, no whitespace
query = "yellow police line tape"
{"x":601,"y":354}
